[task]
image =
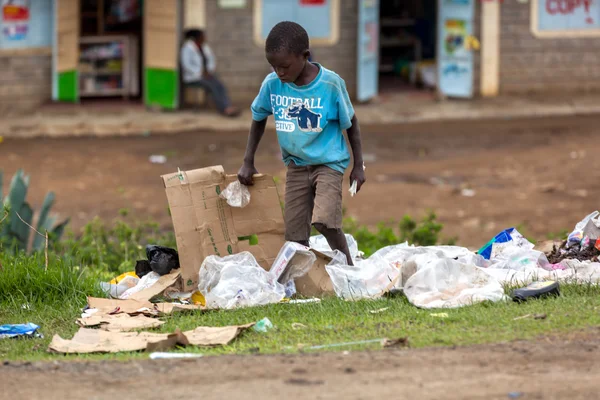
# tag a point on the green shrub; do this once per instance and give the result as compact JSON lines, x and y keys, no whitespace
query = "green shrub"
{"x":113,"y":248}
{"x":16,"y":219}
{"x":423,"y":233}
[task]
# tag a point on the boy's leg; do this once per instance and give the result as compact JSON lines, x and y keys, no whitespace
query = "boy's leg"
{"x":327,"y":213}
{"x":298,"y":208}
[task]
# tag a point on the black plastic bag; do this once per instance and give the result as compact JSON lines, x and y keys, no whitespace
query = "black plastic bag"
{"x":142,"y":268}
{"x":162,"y":259}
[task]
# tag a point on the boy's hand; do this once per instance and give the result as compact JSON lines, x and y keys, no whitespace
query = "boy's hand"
{"x":246,"y":173}
{"x":358,"y":175}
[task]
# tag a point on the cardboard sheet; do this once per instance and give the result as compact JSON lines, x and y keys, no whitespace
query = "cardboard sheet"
{"x":119,"y":322}
{"x":206,"y":225}
{"x":100,"y":341}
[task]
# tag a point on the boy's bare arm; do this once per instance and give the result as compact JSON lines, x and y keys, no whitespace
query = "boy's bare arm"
{"x":257,"y":129}
{"x":358,"y":172}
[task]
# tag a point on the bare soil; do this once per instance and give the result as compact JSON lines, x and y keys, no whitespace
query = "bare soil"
{"x":539,"y":174}
{"x":549,"y":368}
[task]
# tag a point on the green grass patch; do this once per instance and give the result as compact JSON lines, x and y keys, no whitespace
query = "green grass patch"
{"x":53,"y":299}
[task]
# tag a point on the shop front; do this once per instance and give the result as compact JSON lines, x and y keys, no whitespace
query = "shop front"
{"x":117,"y":49}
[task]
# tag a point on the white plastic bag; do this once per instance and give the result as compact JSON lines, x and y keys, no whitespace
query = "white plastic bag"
{"x":236,"y":194}
{"x":237,"y":281}
{"x":117,"y":290}
{"x":367,"y":279}
{"x":447,"y":283}
{"x":147,"y":281}
{"x":320,"y":244}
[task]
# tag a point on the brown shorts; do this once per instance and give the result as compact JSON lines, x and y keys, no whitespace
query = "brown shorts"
{"x":313,"y":195}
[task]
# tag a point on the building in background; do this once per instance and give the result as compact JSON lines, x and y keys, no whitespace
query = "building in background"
{"x":75,"y":50}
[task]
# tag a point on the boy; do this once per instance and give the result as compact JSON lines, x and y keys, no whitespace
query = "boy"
{"x":311,"y":107}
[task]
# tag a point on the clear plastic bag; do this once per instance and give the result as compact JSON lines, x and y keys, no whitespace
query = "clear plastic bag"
{"x":367,"y":279}
{"x":147,"y":281}
{"x":520,"y":259}
{"x":236,"y":194}
{"x":293,"y":261}
{"x":576,"y":236}
{"x":117,"y":290}
{"x":320,"y":244}
{"x":237,"y":281}
{"x":447,"y":283}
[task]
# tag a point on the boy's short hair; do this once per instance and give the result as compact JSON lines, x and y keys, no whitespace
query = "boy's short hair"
{"x":287,"y":36}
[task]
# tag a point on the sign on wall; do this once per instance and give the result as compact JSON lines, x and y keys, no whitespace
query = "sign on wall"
{"x":552,"y":18}
{"x":15,"y":19}
{"x":320,"y":18}
{"x":26,"y":24}
{"x":455,"y":64}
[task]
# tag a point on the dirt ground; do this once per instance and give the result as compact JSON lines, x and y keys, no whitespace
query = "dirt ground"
{"x":559,"y":368}
{"x":540,"y":174}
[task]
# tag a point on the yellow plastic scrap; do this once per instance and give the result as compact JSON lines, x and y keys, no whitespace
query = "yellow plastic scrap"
{"x":198,"y":298}
{"x":123,"y":276}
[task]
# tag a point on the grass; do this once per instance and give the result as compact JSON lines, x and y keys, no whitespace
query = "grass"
{"x":53,"y":299}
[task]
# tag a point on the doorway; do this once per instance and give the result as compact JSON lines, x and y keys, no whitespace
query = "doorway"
{"x":110,"y":49}
{"x":407,"y":45}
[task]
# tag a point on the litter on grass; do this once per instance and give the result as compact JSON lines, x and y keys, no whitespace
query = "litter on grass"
{"x":263,"y":326}
{"x":27,"y":330}
{"x":173,"y":356}
{"x":100,"y":341}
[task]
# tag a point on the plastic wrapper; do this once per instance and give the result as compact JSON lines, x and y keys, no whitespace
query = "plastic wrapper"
{"x":320,"y":244}
{"x":236,"y":195}
{"x":147,"y":281}
{"x":447,"y":283}
{"x":116,"y":290}
{"x":293,"y":261}
{"x":367,"y":279}
{"x":237,"y":281}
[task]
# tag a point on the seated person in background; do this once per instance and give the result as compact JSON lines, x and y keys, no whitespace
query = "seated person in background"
{"x":198,"y":65}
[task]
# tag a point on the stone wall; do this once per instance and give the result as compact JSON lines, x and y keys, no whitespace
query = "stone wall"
{"x":531,"y":64}
{"x":25,"y":81}
{"x":241,"y":62}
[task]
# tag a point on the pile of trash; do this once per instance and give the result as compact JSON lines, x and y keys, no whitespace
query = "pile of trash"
{"x":260,"y":268}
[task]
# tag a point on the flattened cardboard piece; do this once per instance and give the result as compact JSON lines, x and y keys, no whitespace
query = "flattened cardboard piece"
{"x":165,"y":281}
{"x":99,"y":341}
{"x":125,"y":306}
{"x":211,"y":336}
{"x":206,"y":225}
{"x":171,"y":340}
{"x":170,"y":308}
{"x":316,"y":282}
{"x":119,"y":322}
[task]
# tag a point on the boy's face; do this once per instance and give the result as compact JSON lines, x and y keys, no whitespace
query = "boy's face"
{"x":287,"y":65}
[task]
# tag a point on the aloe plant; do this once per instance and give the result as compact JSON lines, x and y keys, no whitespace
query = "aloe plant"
{"x":13,"y":230}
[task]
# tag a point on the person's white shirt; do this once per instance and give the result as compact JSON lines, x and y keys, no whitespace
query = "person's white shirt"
{"x":191,"y":61}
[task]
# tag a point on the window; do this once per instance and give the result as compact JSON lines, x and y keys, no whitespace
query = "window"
{"x":320,"y":18}
{"x":565,"y":18}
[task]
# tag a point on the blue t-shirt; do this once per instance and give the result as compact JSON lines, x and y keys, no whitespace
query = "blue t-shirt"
{"x":309,"y":119}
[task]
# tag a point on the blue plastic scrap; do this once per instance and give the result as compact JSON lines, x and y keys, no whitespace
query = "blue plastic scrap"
{"x":502,"y":237}
{"x":18,"y":330}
